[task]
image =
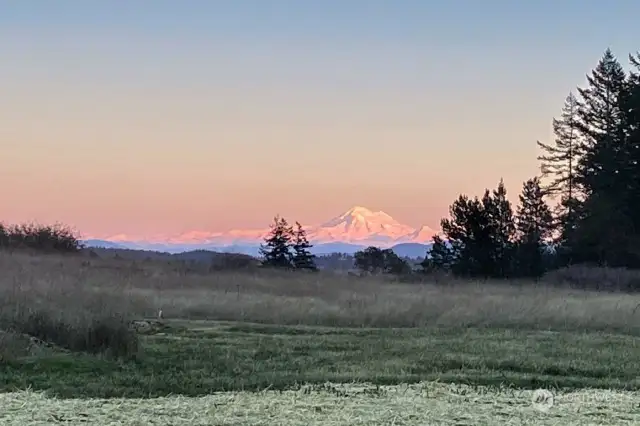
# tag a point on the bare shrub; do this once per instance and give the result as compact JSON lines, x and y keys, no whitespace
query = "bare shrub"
{"x":110,"y":335}
{"x":44,"y":238}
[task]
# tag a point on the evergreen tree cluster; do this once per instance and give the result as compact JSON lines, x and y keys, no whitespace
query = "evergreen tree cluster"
{"x":485,"y":238}
{"x":287,"y":248}
{"x":592,"y":172}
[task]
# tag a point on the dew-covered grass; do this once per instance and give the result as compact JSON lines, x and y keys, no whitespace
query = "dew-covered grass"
{"x":427,"y":403}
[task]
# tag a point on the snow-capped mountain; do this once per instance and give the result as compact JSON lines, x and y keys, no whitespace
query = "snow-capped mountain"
{"x":357,"y":227}
{"x":360,"y":225}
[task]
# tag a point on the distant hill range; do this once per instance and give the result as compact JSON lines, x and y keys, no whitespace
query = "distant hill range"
{"x":206,"y":261}
{"x":347,"y":233}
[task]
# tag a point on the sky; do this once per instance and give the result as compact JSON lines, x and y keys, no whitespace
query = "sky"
{"x":157,"y":116}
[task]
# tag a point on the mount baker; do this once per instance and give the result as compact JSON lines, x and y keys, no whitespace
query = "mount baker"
{"x":353,"y":230}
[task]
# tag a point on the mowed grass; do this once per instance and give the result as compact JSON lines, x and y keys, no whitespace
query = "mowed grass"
{"x":419,"y":404}
{"x":195,"y":358}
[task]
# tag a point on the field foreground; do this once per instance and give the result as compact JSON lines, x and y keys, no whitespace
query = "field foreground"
{"x":418,"y":404}
{"x":269,"y":348}
{"x":196,"y":358}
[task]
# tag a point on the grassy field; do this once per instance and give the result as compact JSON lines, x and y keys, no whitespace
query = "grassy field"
{"x":266,"y":348}
{"x":197,"y":358}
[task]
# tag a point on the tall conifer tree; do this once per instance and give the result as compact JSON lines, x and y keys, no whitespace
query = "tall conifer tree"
{"x":439,"y":257}
{"x":276,"y":250}
{"x":601,"y":122}
{"x":302,"y":257}
{"x":481,"y":233}
{"x":559,"y":163}
{"x":501,"y":222}
{"x":534,"y":224}
{"x":603,"y":170}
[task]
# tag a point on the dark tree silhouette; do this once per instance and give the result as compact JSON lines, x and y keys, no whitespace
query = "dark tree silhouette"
{"x":481,"y":234}
{"x":560,"y":159}
{"x":439,"y":257}
{"x":369,"y":260}
{"x":534,"y":224}
{"x":302,"y":258}
{"x":394,"y":264}
{"x":605,"y":233}
{"x":601,"y":123}
{"x":375,"y":260}
{"x":276,"y":250}
{"x":502,"y":225}
{"x":559,"y":163}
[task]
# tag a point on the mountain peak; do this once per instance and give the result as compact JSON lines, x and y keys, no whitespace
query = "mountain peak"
{"x":363,"y":212}
{"x":358,"y":210}
{"x":360,"y":215}
{"x":360,"y":224}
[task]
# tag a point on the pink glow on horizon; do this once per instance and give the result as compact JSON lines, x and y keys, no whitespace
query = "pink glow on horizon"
{"x":145,"y":136}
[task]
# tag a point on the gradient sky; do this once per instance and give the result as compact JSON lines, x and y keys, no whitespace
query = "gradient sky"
{"x":150,"y":117}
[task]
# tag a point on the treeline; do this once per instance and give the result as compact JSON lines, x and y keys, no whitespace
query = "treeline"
{"x":288,"y":248}
{"x":592,"y":171}
{"x":335,"y":261}
{"x":44,"y":238}
{"x":485,"y":237}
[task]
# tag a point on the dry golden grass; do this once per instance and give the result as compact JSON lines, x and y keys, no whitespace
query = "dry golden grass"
{"x":80,"y":288}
